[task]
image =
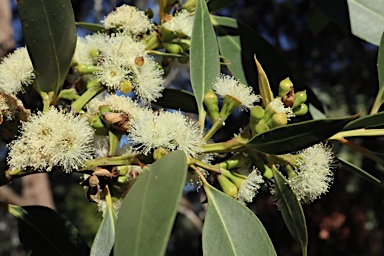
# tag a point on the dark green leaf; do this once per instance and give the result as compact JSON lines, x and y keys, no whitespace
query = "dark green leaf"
{"x":366,"y":122}
{"x":105,"y":237}
{"x":360,"y":172}
{"x":291,"y":210}
{"x":92,"y":27}
{"x":337,"y":11}
{"x":45,"y":232}
{"x":204,"y":54}
{"x":178,"y":99}
{"x":230,"y":228}
{"x":380,"y":62}
{"x":214,"y":5}
{"x":367,"y":19}
{"x":147,"y":213}
{"x":293,"y":137}
{"x":50,"y":36}
{"x":317,"y":20}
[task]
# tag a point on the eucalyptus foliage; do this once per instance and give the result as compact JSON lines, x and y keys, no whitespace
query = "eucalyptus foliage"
{"x":138,"y":186}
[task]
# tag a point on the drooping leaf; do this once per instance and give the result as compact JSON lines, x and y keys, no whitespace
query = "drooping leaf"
{"x":92,"y":27}
{"x":50,"y":36}
{"x":178,"y":99}
{"x":367,"y":19}
{"x":230,"y":228}
{"x":147,"y":213}
{"x":43,"y":231}
{"x":293,"y":137}
{"x":360,"y":172}
{"x":105,"y":237}
{"x":380,"y":70}
{"x":214,"y":5}
{"x":204,"y":55}
{"x":337,"y":11}
{"x":291,"y":210}
{"x":366,"y":122}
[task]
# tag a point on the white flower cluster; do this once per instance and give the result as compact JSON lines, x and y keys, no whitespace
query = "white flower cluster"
{"x":278,"y":107}
{"x":49,"y":139}
{"x":314,"y":175}
{"x":121,"y":59}
{"x":250,"y":187}
{"x":228,"y":85}
{"x":181,"y":22}
{"x":16,"y":70}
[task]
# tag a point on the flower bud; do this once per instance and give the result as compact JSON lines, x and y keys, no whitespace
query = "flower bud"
{"x":300,"y":97}
{"x":301,"y":110}
{"x":260,"y":128}
{"x":94,"y":53}
{"x":229,"y":105}
{"x":122,"y":179}
{"x":285,"y":86}
{"x":257,"y":113}
{"x":236,"y":161}
{"x":126,"y":86}
{"x":173,"y":48}
{"x":227,"y":186}
{"x":86,"y":68}
{"x":211,"y":101}
{"x":122,"y":169}
{"x":93,"y":181}
{"x":158,"y":153}
{"x":236,"y":178}
{"x":278,"y":119}
{"x":139,"y":61}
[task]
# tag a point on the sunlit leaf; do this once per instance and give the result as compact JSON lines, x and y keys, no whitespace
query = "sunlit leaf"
{"x":43,"y":231}
{"x":147,"y":213}
{"x":105,"y":237}
{"x":293,"y":137}
{"x":367,"y":19}
{"x":230,"y":228}
{"x":360,"y":172}
{"x":178,"y":99}
{"x":50,"y":36}
{"x":204,"y":55}
{"x":291,"y":210}
{"x":92,"y":27}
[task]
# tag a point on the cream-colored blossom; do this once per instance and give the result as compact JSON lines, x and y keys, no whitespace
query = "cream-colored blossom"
{"x":228,"y":85}
{"x":181,"y":22}
{"x":129,"y":20}
{"x":278,"y":107}
{"x":314,"y":175}
{"x":50,"y":139}
{"x":250,"y":187}
{"x":16,"y":70}
{"x":168,"y":130}
{"x":112,"y":74}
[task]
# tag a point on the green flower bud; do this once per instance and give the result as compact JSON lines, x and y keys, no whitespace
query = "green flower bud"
{"x":104,"y":109}
{"x":227,"y":186}
{"x":211,"y":101}
{"x":236,"y":178}
{"x":126,"y":86}
{"x":278,"y":119}
{"x":260,"y":128}
{"x":257,"y":113}
{"x":173,"y":48}
{"x":96,"y":122}
{"x":301,"y":110}
{"x":229,"y":105}
{"x":68,"y":94}
{"x":122,"y":169}
{"x":158,"y":153}
{"x":285,"y":87}
{"x":300,"y":97}
{"x":86,"y":68}
{"x":235,"y":161}
{"x":289,"y":170}
{"x":122,"y":179}
{"x":94,"y":53}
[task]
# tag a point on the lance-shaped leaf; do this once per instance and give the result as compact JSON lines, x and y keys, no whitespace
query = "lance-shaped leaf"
{"x":214,"y":5}
{"x":337,"y":11}
{"x":380,"y":70}
{"x":366,"y":122}
{"x":43,"y":231}
{"x":293,"y":137}
{"x":367,"y":19}
{"x":264,"y":87}
{"x":360,"y":172}
{"x":178,"y":99}
{"x":291,"y":210}
{"x":105,"y":237}
{"x":230,"y":228}
{"x":204,"y":55}
{"x":92,"y":27}
{"x":50,"y":36}
{"x":147,"y":213}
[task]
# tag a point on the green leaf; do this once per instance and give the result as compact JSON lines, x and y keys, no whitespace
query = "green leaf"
{"x":214,"y":5}
{"x":105,"y":237}
{"x":317,"y":20}
{"x":366,"y":122}
{"x":380,"y":62}
{"x":367,"y":19}
{"x":204,"y":55}
{"x":92,"y":27}
{"x":337,"y":11}
{"x":360,"y":172}
{"x":293,"y":137}
{"x":43,"y":231}
{"x":291,"y":210}
{"x":147,"y":213}
{"x":178,"y":99}
{"x":230,"y":228}
{"x":50,"y":36}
